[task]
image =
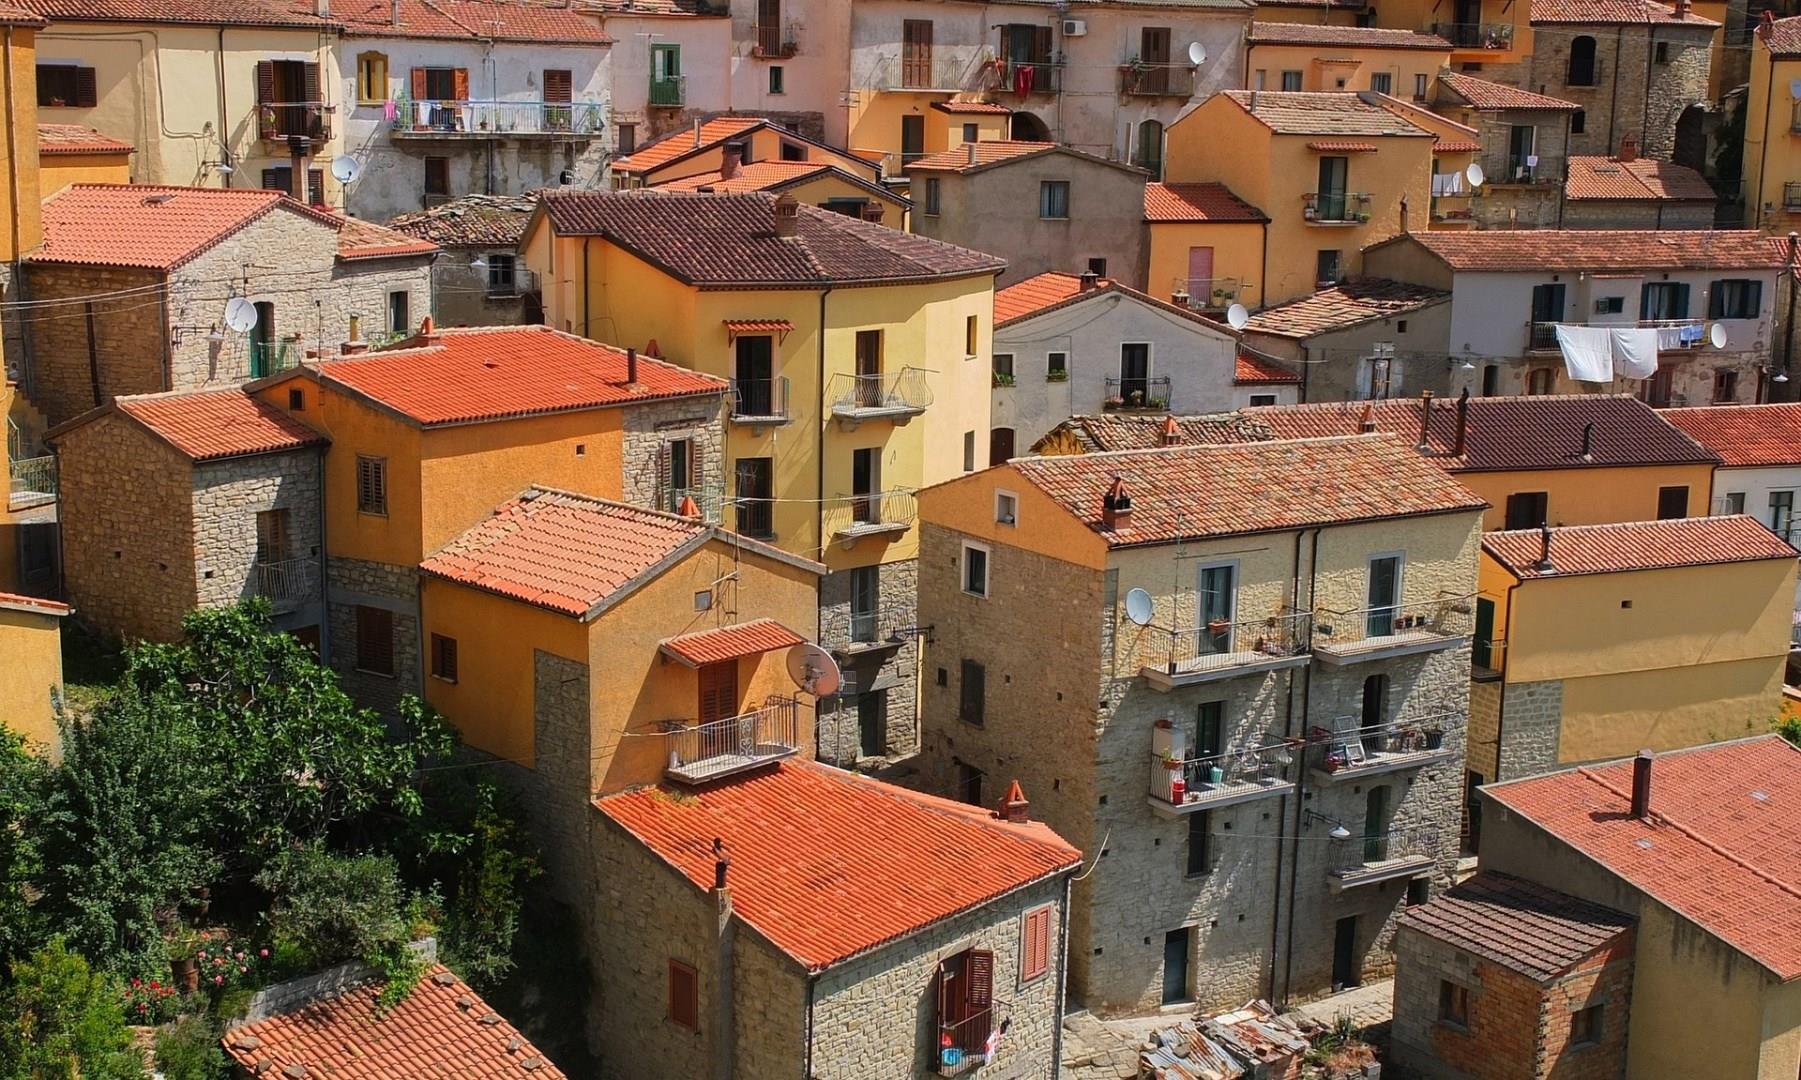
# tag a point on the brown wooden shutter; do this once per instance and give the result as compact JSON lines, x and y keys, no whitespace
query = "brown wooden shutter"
{"x":559,"y":86}
{"x":86,"y":96}
{"x":418,"y":81}
{"x":718,"y":691}
{"x":461,"y":79}
{"x":375,"y":640}
{"x":978,"y":988}
{"x":265,"y":99}
{"x":663,"y":469}
{"x":1041,"y":45}
{"x":950,"y":991}
{"x":697,"y":475}
{"x":272,"y":180}
{"x":684,"y":995}
{"x":1035,"y":950}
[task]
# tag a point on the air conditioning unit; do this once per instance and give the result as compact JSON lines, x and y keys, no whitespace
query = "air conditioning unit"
{"x":1075,"y":27}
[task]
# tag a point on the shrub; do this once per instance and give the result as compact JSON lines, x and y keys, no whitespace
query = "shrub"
{"x":329,"y":908}
{"x":188,"y":1049}
{"x":63,"y":1019}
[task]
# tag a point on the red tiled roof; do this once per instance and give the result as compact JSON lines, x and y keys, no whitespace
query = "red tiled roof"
{"x":35,"y":604}
{"x":1483,"y":94}
{"x":972,"y":108}
{"x":1636,"y":545}
{"x":1346,"y":304}
{"x":827,"y":865}
{"x":77,"y":139}
{"x":1034,"y":294}
{"x":359,"y":239}
{"x":653,"y":8}
{"x":1640,"y":178}
{"x":1353,"y":37}
{"x":1191,"y":492}
{"x":758,"y":326}
{"x":730,"y":241}
{"x":441,"y":1028}
{"x":1610,"y":11}
{"x":1784,"y":38}
{"x":497,"y":373}
{"x":156,"y":228}
{"x":13,"y":15}
{"x":1557,"y":250}
{"x":986,"y":153}
{"x":471,"y":20}
{"x":1456,"y":146}
{"x":206,"y":425}
{"x":1254,"y":370}
{"x":272,"y":13}
{"x":1744,"y":436}
{"x":484,"y":221}
{"x":1197,"y":203}
{"x":1538,"y":932}
{"x":681,"y":143}
{"x":1140,"y":431}
{"x":1333,"y":113}
{"x":731,"y":642}
{"x":1341,"y":146}
{"x":757,"y":176}
{"x":1720,"y":849}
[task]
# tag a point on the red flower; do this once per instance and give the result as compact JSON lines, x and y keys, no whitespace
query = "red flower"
{"x":262,"y":952}
{"x":218,"y":980}
{"x":154,"y":984}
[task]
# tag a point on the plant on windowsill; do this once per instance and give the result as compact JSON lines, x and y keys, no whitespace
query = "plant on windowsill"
{"x":1003,"y":378}
{"x":1363,"y":217}
{"x":1115,"y":402}
{"x":1157,"y":403}
{"x":1171,"y":761}
{"x":1057,"y":376}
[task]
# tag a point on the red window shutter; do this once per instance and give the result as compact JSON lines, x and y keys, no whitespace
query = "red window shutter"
{"x":86,"y":96}
{"x":950,"y":996}
{"x":418,"y":81}
{"x":265,"y":99}
{"x":559,"y":86}
{"x":684,"y":995}
{"x":1035,"y":950}
{"x":461,"y":80}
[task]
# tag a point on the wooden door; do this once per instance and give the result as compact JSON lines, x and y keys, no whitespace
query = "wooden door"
{"x":1200,"y":273}
{"x":1154,"y":53}
{"x":718,"y":691}
{"x":1000,"y":445}
{"x":916,"y":53}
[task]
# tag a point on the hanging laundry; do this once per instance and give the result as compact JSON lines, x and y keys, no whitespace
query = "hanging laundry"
{"x":1635,"y":352}
{"x":1022,"y":79}
{"x":1669,"y":337}
{"x":390,"y":111}
{"x":1692,"y":333}
{"x":1587,"y":352}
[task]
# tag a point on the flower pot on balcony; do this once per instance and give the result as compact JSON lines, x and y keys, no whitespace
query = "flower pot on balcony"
{"x":1218,"y":626}
{"x":1216,"y":775}
{"x":1173,"y":764}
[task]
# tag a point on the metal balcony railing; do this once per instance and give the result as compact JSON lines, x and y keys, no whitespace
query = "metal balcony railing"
{"x":1135,"y":393}
{"x":1177,"y":656}
{"x":1382,"y":856}
{"x":286,"y":583}
{"x":269,"y":357}
{"x":1349,"y":750}
{"x":32,"y":480}
{"x":963,"y":1044}
{"x":760,"y":401}
{"x":1476,"y":35}
{"x":703,"y":752}
{"x":1541,"y":337}
{"x":1023,"y":78}
{"x":1340,"y":636}
{"x":1336,"y":207}
{"x":280,"y":119}
{"x":948,"y":68}
{"x":477,"y":119}
{"x":776,"y":42}
{"x":1208,"y":294}
{"x":1687,"y":333}
{"x":868,"y":397}
{"x":754,"y":517}
{"x":669,"y":92}
{"x":1157,"y":80}
{"x":709,"y":498}
{"x":850,"y":516}
{"x":1198,"y":783}
{"x":1791,"y":195}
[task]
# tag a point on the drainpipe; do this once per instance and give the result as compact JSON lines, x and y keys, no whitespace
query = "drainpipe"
{"x":1062,"y":967}
{"x":1300,"y":790}
{"x":1501,"y":702}
{"x":587,"y":287}
{"x":324,"y":592}
{"x":1788,"y":329}
{"x":819,"y":446}
{"x":1263,"y":283}
{"x":1306,"y":370}
{"x":1613,"y":106}
{"x":224,"y":124}
{"x":806,"y":1068}
{"x":1644,"y":120}
{"x":1275,"y":913}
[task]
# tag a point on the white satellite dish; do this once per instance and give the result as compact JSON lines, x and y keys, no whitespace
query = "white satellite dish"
{"x":1475,"y":175}
{"x":1717,"y":336}
{"x":1197,"y":53}
{"x":1237,"y":316}
{"x":345,"y":169}
{"x":1139,"y":607}
{"x":814,"y":670}
{"x":240,"y":314}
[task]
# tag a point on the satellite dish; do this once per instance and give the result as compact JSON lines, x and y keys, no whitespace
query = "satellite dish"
{"x":1237,"y":316}
{"x":814,"y":670}
{"x":1197,"y":53}
{"x":1139,"y":607}
{"x":240,"y":314}
{"x":345,"y":169}
{"x":1475,"y":175}
{"x":1717,"y":336}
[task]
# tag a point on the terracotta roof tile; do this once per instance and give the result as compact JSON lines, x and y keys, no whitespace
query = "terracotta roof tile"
{"x":1354,"y":37}
{"x":1720,"y":849}
{"x":359,"y":239}
{"x":77,"y":139}
{"x":1610,"y":12}
{"x":681,"y":143}
{"x":1637,"y":545}
{"x":34,"y":604}
{"x":758,"y":326}
{"x":1139,"y":431}
{"x":972,"y":108}
{"x":1538,"y":932}
{"x":1341,"y":146}
{"x":804,"y":871}
{"x":157,"y":228}
{"x":1640,"y":178}
{"x":986,"y":153}
{"x":481,"y":221}
{"x":13,"y":15}
{"x":1344,"y":305}
{"x":207,"y":425}
{"x":1456,"y":146}
{"x":271,"y":13}
{"x":653,"y":8}
{"x":1483,"y":94}
{"x":731,"y":642}
{"x":1197,"y":203}
{"x":1556,"y":250}
{"x":757,"y":176}
{"x":1254,"y":370}
{"x":729,"y":241}
{"x":1744,"y":436}
{"x":497,"y":373}
{"x":471,"y":20}
{"x":439,"y":1029}
{"x":1191,"y":492}
{"x":1036,"y":293}
{"x":1332,"y":113}
{"x":1783,"y":38}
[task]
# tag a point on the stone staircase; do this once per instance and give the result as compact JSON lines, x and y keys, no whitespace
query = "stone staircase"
{"x":31,"y":469}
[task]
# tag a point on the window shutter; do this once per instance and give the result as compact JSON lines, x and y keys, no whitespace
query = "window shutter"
{"x":1716,"y":299}
{"x":461,"y":80}
{"x":418,"y":82}
{"x":315,"y":186}
{"x":978,"y":987}
{"x":272,"y":180}
{"x":684,"y":995}
{"x":949,"y":1001}
{"x":1041,"y":44}
{"x":86,"y":97}
{"x":1682,"y":300}
{"x":311,"y":75}
{"x":559,"y":86}
{"x":265,"y":98}
{"x":1034,"y":950}
{"x":664,"y":494}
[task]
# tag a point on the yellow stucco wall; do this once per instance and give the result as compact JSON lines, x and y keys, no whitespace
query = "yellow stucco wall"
{"x":58,"y":171}
{"x":1592,"y":496}
{"x":20,"y":185}
{"x":1332,"y":67}
{"x":1237,"y":255}
{"x":1772,"y":151}
{"x":32,"y":669}
{"x":827,"y":186}
{"x":875,"y":123}
{"x":765,"y":145}
{"x":1422,"y":14}
{"x":1042,"y":526}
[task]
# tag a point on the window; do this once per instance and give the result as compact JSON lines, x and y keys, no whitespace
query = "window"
{"x":1382,"y":82}
{"x":971,"y":331}
{"x":1453,"y":1003}
{"x":975,"y":570}
{"x":288,"y":100}
{"x":1098,"y":267}
{"x":1200,"y":846}
{"x":865,"y":591}
{"x":934,"y":197}
{"x":1661,"y":54}
{"x":1735,"y":502}
{"x":444,"y":657}
{"x":969,"y":451}
{"x":678,"y":467}
{"x":1057,"y":367}
{"x":66,"y":86}
{"x":776,"y":78}
{"x":1522,"y":143}
{"x":1326,"y":272}
{"x":969,"y":784}
{"x":1035,"y":943}
{"x":271,"y":536}
{"x":965,"y":991}
{"x":1262,"y":399}
{"x":627,"y":139}
{"x":1610,"y":305}
{"x":756,"y":488}
{"x":1734,"y":298}
{"x":684,"y":995}
{"x":972,"y":699}
{"x":503,"y":274}
{"x":371,"y":78}
{"x":1291,"y":80}
{"x":371,"y":485}
{"x":916,"y":53}
{"x":1725,"y":386}
{"x":1578,"y":121}
{"x":375,"y":640}
{"x":1672,"y":502}
{"x":296,"y":399}
{"x":281,"y":178}
{"x":1585,"y":1024}
{"x":1003,"y":369}
{"x":1782,"y":512}
{"x":1420,"y":82}
{"x":972,"y":133}
{"x":1149,"y":155}
{"x":1527,"y":509}
{"x":1663,"y":301}
{"x":1581,"y":71}
{"x":437,"y":181}
{"x":872,"y":724}
{"x":1006,"y":508}
{"x":399,"y":319}
{"x":1540,"y":380}
{"x":1491,"y":380}
{"x":1053,"y":199}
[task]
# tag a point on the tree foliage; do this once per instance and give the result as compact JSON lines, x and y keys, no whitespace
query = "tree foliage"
{"x":61,"y":1020}
{"x":24,"y":785}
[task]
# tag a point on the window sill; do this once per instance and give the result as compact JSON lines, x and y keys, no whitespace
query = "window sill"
{"x":977,"y":595}
{"x":440,"y":678}
{"x":1041,"y":217}
{"x":377,"y":674}
{"x":1452,"y":1025}
{"x":383,"y":514}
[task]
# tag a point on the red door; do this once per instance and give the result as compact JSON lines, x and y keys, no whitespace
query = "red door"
{"x":1200,"y":273}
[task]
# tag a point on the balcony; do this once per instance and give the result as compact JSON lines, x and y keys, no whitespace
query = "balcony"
{"x":1157,"y":80}
{"x":269,"y":357}
{"x":286,"y":583}
{"x":1791,"y":196}
{"x":948,"y":70}
{"x":277,"y":120}
{"x":471,"y":119}
{"x":1367,"y":860}
{"x":1023,"y":78}
{"x":708,"y":498}
{"x":878,"y":513}
{"x":669,"y":92}
{"x":760,"y":402}
{"x":31,"y":482}
{"x":1349,"y":752}
{"x":1169,"y":658}
{"x":1208,"y":294}
{"x":1336,"y":207}
{"x":898,"y":397}
{"x":705,"y":752}
{"x":1541,"y":337}
{"x":1382,"y":633}
{"x":1127,"y":394}
{"x":1187,"y":785}
{"x":963,"y":1044}
{"x":1497,"y":36}
{"x":776,"y":42}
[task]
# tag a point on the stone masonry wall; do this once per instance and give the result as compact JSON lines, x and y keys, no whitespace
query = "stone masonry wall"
{"x":889,"y":671}
{"x":1484,"y":728}
{"x":129,"y":335}
{"x":1531,"y":728}
{"x":1636,"y":214}
{"x":353,"y":583}
{"x":1649,"y":97}
{"x":361,"y":287}
{"x":228,"y":495}
{"x":560,"y":784}
{"x":648,"y":427}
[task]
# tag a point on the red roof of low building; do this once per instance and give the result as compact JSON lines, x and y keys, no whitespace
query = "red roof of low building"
{"x":827,"y":865}
{"x":359,"y":239}
{"x":1144,"y":431}
{"x":13,"y":15}
{"x":1720,"y":847}
{"x":78,"y":139}
{"x":1784,"y":38}
{"x":731,"y":642}
{"x":207,"y":425}
{"x":1036,"y":293}
{"x":148,"y":226}
{"x":1576,"y":250}
{"x":1197,"y":203}
{"x":1254,"y":370}
{"x":1346,"y":304}
{"x":1609,"y":12}
{"x":1641,"y":178}
{"x":502,"y":372}
{"x":972,"y":108}
{"x":269,"y":13}
{"x":1483,"y":94}
{"x":440,"y":1028}
{"x":1626,"y":547}
{"x":1350,"y":37}
{"x":1341,"y":146}
{"x":470,"y":20}
{"x":757,"y":176}
{"x":758,"y":326}
{"x":1744,"y":436}
{"x":35,"y":605}
{"x":1443,"y":145}
{"x":680,"y":144}
{"x":1519,"y":924}
{"x":1330,"y":113}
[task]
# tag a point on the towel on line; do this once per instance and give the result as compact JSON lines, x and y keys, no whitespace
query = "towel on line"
{"x":1635,"y":352}
{"x":1587,"y":352}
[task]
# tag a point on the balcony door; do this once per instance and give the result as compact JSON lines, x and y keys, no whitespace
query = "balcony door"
{"x":869,"y":369}
{"x":1547,"y":306}
{"x":1384,"y":595}
{"x":1334,"y":175}
{"x":916,"y":53}
{"x":1216,"y":594}
{"x":1375,"y":825}
{"x":1200,"y":274}
{"x":1664,"y":301}
{"x":1154,"y":54}
{"x":753,"y":370}
{"x":262,"y":341}
{"x":866,"y":485}
{"x":913,"y":138}
{"x":1521,"y":145}
{"x":718,"y":691}
{"x":1135,"y":372}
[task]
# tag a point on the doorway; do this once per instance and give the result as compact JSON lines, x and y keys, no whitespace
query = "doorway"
{"x":1000,"y":445}
{"x":1217,"y":588}
{"x":913,"y":138}
{"x":1375,"y":825}
{"x":1384,"y":596}
{"x":753,"y":375}
{"x":718,"y":691}
{"x":1175,"y":967}
{"x":1135,"y":373}
{"x":865,"y":485}
{"x":1344,"y":954}
{"x":1482,"y":646}
{"x":869,"y":369}
{"x":262,"y":341}
{"x":1025,"y":127}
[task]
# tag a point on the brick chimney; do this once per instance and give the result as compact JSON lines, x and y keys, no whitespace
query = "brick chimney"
{"x":1116,"y":506}
{"x":1014,"y":807}
{"x":1629,"y":143}
{"x":873,"y":212}
{"x":1172,"y":432}
{"x":1087,"y":280}
{"x":631,"y":367}
{"x":428,"y":332}
{"x":1367,"y":422}
{"x":970,"y":149}
{"x":1641,"y":785}
{"x":1425,"y":442}
{"x":1682,"y":9}
{"x":731,"y":155}
{"x":787,"y":216}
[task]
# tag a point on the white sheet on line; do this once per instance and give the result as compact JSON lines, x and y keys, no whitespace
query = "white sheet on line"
{"x":1635,"y":352}
{"x":1587,"y":352}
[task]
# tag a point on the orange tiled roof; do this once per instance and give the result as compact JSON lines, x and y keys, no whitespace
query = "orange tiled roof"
{"x":972,"y":108}
{"x":731,"y":642}
{"x":1254,"y":370}
{"x":497,"y":373}
{"x":1640,"y":178}
{"x":654,"y":8}
{"x":1334,"y":113}
{"x":1191,"y":492}
{"x":1744,"y":436}
{"x":1610,"y":12}
{"x":359,"y":239}
{"x":680,"y":144}
{"x":1036,"y":293}
{"x":1783,"y":38}
{"x":156,"y":228}
{"x":77,"y":139}
{"x":757,"y":176}
{"x":758,"y":326}
{"x":1456,"y":146}
{"x":986,"y":153}
{"x":1483,"y":94}
{"x":35,"y":604}
{"x":1720,"y":849}
{"x":488,"y":221}
{"x":206,"y":425}
{"x":1538,"y":932}
{"x":1343,"y":305}
{"x":1140,"y":431}
{"x":13,"y":15}
{"x":273,"y":13}
{"x":1353,"y":37}
{"x":471,"y":20}
{"x":1197,"y":203}
{"x":441,"y":1028}
{"x":1566,"y":250}
{"x":1636,"y":545}
{"x":804,"y":872}
{"x":1341,"y":146}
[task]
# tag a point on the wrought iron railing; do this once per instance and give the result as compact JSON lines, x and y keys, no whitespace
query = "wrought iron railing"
{"x":1222,"y":644}
{"x":1025,"y":77}
{"x":1336,"y":207}
{"x":1362,"y":852}
{"x":286,"y":581}
{"x":1206,"y":778}
{"x":1541,"y":336}
{"x":776,"y":42}
{"x":907,"y":391}
{"x":280,"y":119}
{"x":1476,"y":35}
{"x":1349,"y":746}
{"x":963,"y":1044}
{"x":702,"y":751}
{"x":875,"y":511}
{"x":1689,"y":333}
{"x":669,"y":91}
{"x":1157,"y":80}
{"x":474,"y":117}
{"x":32,"y":477}
{"x":708,"y":498}
{"x":760,"y":401}
{"x":1135,"y":393}
{"x":1208,"y":294}
{"x":1446,"y":616}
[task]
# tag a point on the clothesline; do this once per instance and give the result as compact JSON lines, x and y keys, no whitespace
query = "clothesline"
{"x":1601,"y":353}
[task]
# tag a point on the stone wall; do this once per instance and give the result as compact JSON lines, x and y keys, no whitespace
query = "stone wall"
{"x":1649,"y":97}
{"x":1531,"y":726}
{"x":1484,"y":727}
{"x":459,"y":295}
{"x":647,"y":427}
{"x":561,"y":778}
{"x":1516,"y":206}
{"x":228,"y":495}
{"x":362,"y":286}
{"x":1636,"y":214}
{"x":129,"y":335}
{"x":892,"y":672}
{"x":353,"y":583}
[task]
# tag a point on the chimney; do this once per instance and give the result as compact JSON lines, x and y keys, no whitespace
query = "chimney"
{"x":1014,"y":807}
{"x":1682,"y":9}
{"x":873,"y":212}
{"x":697,"y":133}
{"x":1087,"y":280}
{"x":300,"y":160}
{"x":1588,"y":442}
{"x":787,"y":215}
{"x":631,"y":366}
{"x":1172,"y":432}
{"x":1116,"y":506}
{"x":353,"y":347}
{"x":1766,"y":25}
{"x":731,"y":155}
{"x":1629,"y":144}
{"x":722,"y":865}
{"x":1544,"y":564}
{"x":689,"y":508}
{"x":1367,"y":422}
{"x":428,"y":332}
{"x":394,"y":12}
{"x":1404,"y":229}
{"x":1425,"y":442}
{"x":1641,"y":785}
{"x":1463,"y":421}
{"x":970,"y":149}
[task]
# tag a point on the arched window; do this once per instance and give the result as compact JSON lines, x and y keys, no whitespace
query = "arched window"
{"x":1582,"y":62}
{"x":1149,"y":155}
{"x":1028,"y":128}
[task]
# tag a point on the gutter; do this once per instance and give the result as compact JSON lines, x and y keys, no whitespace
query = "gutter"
{"x":12,"y":146}
{"x":1763,"y":154}
{"x":587,"y":287}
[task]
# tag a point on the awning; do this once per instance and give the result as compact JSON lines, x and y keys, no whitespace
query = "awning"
{"x":729,"y":642}
{"x":778,"y":327}
{"x":1339,"y":146}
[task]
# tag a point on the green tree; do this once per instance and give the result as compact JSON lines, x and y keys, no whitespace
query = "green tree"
{"x":24,"y":779}
{"x":61,"y":1020}
{"x":488,"y":883}
{"x":1789,"y":727}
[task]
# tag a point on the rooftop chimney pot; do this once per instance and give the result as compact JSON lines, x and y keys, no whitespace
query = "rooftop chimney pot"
{"x":722,"y":865}
{"x":1367,"y":422}
{"x":1588,"y":442}
{"x":1463,"y":421}
{"x":1628,"y":143}
{"x":631,"y":367}
{"x":730,"y":157}
{"x":1425,"y":442}
{"x":1641,"y":785}
{"x":1116,"y":506}
{"x":970,"y":150}
{"x":1014,"y":807}
{"x":428,"y":332}
{"x":1087,"y":280}
{"x":1544,"y":564}
{"x":787,"y":216}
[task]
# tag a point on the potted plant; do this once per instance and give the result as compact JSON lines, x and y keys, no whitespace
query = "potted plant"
{"x":1171,"y":761}
{"x":183,"y":946}
{"x":1057,"y":376}
{"x":1363,"y":217}
{"x":1218,"y":626}
{"x":1115,"y":402}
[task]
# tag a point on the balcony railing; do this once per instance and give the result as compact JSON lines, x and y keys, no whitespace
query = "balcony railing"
{"x":1336,"y":207}
{"x":873,"y":397}
{"x":32,"y":481}
{"x":1794,"y":121}
{"x":1170,"y":657}
{"x":760,"y":401}
{"x":1157,"y":80}
{"x":1208,"y":294}
{"x":280,"y":119}
{"x":709,"y":498}
{"x":286,"y":583}
{"x":946,"y":69}
{"x":1185,"y":785}
{"x":706,"y":752}
{"x":1541,"y":337}
{"x":876,"y":513}
{"x":1686,"y":333}
{"x":1024,"y":78}
{"x":1366,"y":860}
{"x":754,"y":517}
{"x":1791,"y":195}
{"x":1376,"y":633}
{"x":482,"y":119}
{"x":269,"y":357}
{"x":776,"y":42}
{"x":1349,"y":751}
{"x":669,"y":92}
{"x":963,"y":1045}
{"x":1135,"y":393}
{"x":1476,"y":35}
